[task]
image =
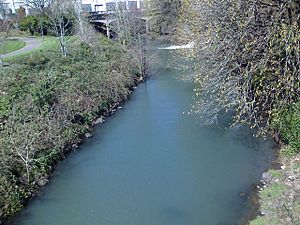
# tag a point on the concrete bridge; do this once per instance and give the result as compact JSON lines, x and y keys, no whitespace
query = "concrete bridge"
{"x":103,"y":12}
{"x":106,"y":19}
{"x":107,"y":23}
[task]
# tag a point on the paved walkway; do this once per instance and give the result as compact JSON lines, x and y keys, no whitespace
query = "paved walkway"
{"x":31,"y":44}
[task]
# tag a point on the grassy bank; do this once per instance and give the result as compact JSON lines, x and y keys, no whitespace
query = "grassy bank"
{"x":47,"y":104}
{"x":11,"y":45}
{"x":48,"y":44}
{"x":280,"y":195}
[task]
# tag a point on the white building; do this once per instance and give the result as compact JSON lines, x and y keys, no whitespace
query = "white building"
{"x":110,"y":5}
{"x":11,"y":6}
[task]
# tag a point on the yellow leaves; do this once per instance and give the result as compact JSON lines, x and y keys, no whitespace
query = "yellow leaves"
{"x":288,"y":49}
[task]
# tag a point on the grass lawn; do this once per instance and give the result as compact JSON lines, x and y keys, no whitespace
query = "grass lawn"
{"x":49,"y":43}
{"x":11,"y":45}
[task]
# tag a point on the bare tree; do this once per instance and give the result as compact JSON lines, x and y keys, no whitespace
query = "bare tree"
{"x":2,"y":39}
{"x":20,"y":142}
{"x":39,"y":5}
{"x":60,"y":12}
{"x":2,"y":17}
{"x":130,"y":28}
{"x":166,"y":14}
{"x":247,"y":57}
{"x":84,"y":29}
{"x":78,"y":14}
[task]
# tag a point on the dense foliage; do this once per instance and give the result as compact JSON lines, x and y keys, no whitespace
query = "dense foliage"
{"x":287,"y":123}
{"x":46,"y":103}
{"x":31,"y":24}
{"x":34,"y":24}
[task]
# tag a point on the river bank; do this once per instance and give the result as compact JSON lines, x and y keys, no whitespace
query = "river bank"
{"x":279,"y":194}
{"x":49,"y":105}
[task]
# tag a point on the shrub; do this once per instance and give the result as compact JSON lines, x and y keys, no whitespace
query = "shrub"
{"x":287,"y":123}
{"x":29,"y":23}
{"x":34,"y":24}
{"x":47,"y":102}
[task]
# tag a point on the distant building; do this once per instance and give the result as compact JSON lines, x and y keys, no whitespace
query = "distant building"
{"x":110,"y":5}
{"x":4,"y":9}
{"x":11,"y":6}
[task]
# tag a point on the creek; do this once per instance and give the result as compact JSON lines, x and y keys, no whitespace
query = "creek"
{"x":152,"y":163}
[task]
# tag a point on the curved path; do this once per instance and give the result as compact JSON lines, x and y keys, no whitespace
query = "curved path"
{"x":31,"y":44}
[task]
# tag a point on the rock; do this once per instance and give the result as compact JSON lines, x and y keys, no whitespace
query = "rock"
{"x":88,"y":135}
{"x":74,"y":146}
{"x":98,"y":121}
{"x":266,"y":177}
{"x":42,"y":182}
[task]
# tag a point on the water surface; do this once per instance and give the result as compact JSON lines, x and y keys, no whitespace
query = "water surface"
{"x":151,"y":164}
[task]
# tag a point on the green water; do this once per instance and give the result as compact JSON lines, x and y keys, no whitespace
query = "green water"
{"x":151,"y":164}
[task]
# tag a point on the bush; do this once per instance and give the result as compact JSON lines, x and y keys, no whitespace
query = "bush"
{"x":34,"y":24}
{"x":46,"y":103}
{"x":287,"y":123}
{"x":29,"y":23}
